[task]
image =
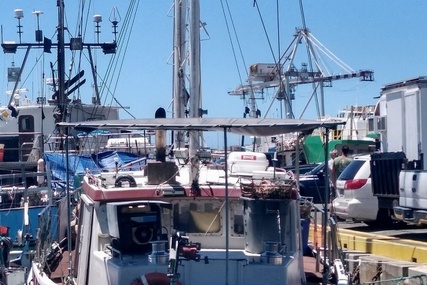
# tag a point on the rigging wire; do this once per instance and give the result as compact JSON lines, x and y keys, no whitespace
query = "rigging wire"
{"x":287,"y":97}
{"x":231,"y":40}
{"x":265,"y":31}
{"x":112,"y":69}
{"x":113,"y":65}
{"x":81,"y":29}
{"x":233,"y":26}
{"x":131,"y":22}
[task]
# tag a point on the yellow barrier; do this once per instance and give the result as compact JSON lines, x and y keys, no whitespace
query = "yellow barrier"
{"x":391,"y":247}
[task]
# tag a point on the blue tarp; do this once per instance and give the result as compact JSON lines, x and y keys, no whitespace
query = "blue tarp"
{"x":96,"y":163}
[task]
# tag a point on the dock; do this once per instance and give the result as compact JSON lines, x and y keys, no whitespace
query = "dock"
{"x":372,"y":258}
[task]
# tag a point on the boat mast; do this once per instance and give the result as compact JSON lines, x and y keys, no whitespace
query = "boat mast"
{"x":62,"y":105}
{"x":179,"y":91}
{"x":195,"y":78}
{"x":62,"y":100}
{"x":195,"y":88}
{"x":181,"y":97}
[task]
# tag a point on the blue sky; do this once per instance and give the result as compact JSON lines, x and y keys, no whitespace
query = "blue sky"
{"x":382,"y":35}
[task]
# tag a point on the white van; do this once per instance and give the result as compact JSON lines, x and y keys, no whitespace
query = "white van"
{"x":355,"y":199}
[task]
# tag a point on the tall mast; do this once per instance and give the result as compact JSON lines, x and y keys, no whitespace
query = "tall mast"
{"x":62,"y":105}
{"x":195,"y":81}
{"x":62,"y":100}
{"x":179,"y":91}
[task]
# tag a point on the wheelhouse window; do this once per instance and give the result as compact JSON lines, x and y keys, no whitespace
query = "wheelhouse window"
{"x":26,"y":123}
{"x":197,"y":217}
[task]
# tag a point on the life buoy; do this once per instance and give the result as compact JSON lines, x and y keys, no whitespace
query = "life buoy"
{"x":153,"y":278}
{"x":125,"y":178}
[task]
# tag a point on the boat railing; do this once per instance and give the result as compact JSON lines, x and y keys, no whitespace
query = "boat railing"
{"x":99,"y":141}
{"x":19,"y":171}
{"x":57,"y":143}
{"x":332,"y":250}
{"x":20,"y":146}
{"x":114,"y":251}
{"x":25,"y":185}
{"x":17,"y":176}
{"x":46,"y":229}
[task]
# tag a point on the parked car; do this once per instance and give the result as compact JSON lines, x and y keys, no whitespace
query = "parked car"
{"x":312,"y":184}
{"x":355,"y":199}
{"x":303,"y":168}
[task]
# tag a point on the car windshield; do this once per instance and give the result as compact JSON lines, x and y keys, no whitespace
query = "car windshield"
{"x":316,"y":170}
{"x":351,"y":170}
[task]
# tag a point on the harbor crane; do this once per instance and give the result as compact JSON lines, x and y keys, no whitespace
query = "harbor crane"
{"x":284,"y":76}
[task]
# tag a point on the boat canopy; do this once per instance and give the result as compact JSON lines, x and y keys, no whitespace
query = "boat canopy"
{"x":242,"y":126}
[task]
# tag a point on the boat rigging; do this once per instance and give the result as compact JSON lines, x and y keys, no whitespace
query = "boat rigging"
{"x":60,"y":85}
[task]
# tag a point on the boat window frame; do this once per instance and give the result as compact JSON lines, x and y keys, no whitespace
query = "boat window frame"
{"x":236,"y":213}
{"x":188,"y":228}
{"x":26,"y":123}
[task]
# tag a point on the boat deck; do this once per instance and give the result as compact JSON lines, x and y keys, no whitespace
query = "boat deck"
{"x":401,"y":251}
{"x":312,"y":277}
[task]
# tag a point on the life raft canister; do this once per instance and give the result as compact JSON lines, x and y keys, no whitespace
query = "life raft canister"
{"x":125,"y":179}
{"x":153,"y":278}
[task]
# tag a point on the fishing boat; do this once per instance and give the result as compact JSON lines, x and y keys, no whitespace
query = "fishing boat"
{"x":29,"y":137}
{"x":190,"y":222}
{"x":181,"y":219}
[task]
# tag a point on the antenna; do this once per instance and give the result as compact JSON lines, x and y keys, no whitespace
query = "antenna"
{"x":60,"y":97}
{"x":97,"y":19}
{"x":115,"y":19}
{"x":39,"y":33}
{"x":19,"y":14}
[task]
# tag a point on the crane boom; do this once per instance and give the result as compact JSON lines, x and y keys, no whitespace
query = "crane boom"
{"x":301,"y":77}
